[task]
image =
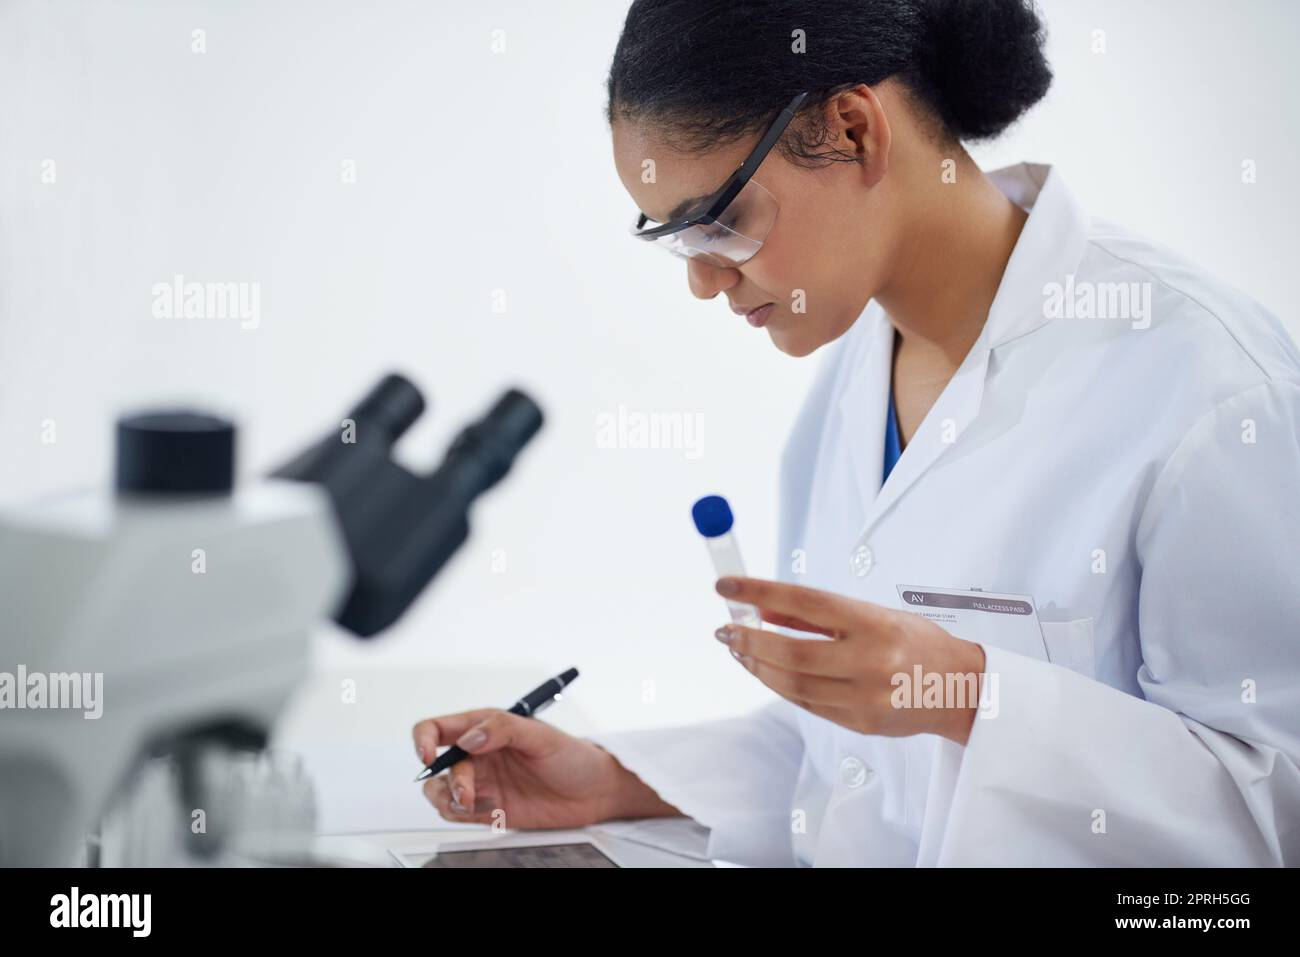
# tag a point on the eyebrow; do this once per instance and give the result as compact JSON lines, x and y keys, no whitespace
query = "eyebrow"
{"x":686,"y":205}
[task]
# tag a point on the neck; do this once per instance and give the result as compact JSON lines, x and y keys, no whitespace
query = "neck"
{"x":950,"y":262}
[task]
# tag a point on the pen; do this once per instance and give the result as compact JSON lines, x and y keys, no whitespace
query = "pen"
{"x":527,"y":706}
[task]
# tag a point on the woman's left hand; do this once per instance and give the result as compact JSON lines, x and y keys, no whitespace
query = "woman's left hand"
{"x":863,"y":679}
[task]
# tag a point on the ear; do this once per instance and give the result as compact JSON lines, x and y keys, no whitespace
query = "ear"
{"x":856,"y":124}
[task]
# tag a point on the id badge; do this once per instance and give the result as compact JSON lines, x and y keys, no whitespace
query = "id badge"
{"x":984,"y":617}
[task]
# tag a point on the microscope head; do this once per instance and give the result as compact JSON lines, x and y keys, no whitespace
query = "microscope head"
{"x":400,"y":528}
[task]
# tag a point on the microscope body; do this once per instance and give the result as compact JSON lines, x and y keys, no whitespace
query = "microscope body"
{"x":195,"y":610}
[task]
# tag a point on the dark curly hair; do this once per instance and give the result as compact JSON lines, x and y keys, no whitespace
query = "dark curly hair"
{"x":708,"y":72}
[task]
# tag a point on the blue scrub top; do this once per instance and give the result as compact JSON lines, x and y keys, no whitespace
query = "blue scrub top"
{"x":892,"y":449}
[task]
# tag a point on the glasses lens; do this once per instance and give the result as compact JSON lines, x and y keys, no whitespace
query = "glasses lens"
{"x":736,"y":235}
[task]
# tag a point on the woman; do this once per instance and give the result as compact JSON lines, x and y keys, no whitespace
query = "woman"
{"x":1085,"y":421}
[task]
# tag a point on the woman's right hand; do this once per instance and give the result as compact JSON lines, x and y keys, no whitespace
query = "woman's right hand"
{"x":525,"y":773}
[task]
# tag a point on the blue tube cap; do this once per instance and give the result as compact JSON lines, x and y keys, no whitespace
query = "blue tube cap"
{"x":712,"y":516}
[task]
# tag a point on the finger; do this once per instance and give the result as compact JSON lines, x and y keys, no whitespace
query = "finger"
{"x":438,"y":792}
{"x":822,"y":608}
{"x":433,"y":733}
{"x":798,"y":624}
{"x":801,"y":655}
{"x":530,"y":737}
{"x":463,"y":784}
{"x":435,"y":789}
{"x":815,"y":689}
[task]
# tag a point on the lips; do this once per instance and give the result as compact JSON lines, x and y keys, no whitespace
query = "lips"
{"x":756,"y":316}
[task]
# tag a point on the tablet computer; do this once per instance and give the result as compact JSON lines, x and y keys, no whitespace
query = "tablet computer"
{"x":529,"y":849}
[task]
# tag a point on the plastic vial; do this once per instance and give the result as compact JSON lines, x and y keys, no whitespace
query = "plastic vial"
{"x":713,"y":518}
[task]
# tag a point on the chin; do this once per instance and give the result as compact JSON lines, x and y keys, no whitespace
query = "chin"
{"x":796,"y":344}
{"x":804,"y":336}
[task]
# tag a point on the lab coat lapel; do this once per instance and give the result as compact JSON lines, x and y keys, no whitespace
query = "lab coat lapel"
{"x":955,"y":408}
{"x":1050,"y":246}
{"x":1049,"y":249}
{"x":863,"y":405}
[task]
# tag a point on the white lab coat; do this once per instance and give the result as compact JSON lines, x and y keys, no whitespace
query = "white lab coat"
{"x":1142,"y":483}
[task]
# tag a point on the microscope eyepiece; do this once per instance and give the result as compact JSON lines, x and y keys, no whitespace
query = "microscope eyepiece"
{"x":515,"y":418}
{"x":484,"y":451}
{"x":391,"y":406}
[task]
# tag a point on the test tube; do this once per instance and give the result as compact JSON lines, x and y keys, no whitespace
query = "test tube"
{"x":713,"y":519}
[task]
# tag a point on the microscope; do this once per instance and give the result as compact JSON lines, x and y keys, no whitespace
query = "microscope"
{"x":165,"y":622}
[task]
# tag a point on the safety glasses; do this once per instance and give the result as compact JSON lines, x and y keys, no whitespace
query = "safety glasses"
{"x":728,"y":228}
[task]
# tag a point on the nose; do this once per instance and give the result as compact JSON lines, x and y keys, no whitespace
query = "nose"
{"x":707,"y":280}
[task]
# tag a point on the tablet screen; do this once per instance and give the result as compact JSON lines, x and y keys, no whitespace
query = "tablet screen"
{"x":541,"y":855}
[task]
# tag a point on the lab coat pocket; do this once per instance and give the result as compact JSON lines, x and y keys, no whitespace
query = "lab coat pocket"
{"x":1069,"y":644}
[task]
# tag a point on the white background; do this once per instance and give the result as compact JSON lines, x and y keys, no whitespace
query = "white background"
{"x":479,"y":171}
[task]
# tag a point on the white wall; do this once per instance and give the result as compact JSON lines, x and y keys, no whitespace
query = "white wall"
{"x":478,"y":171}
